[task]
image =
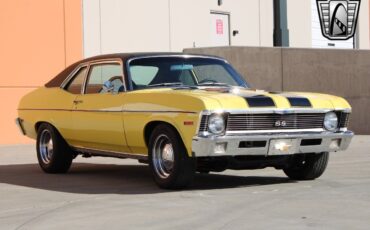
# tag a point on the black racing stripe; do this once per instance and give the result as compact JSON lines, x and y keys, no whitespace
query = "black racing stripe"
{"x":260,"y":101}
{"x":299,"y":102}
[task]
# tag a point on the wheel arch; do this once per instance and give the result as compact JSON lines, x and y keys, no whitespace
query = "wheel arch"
{"x":39,"y":123}
{"x":149,"y":127}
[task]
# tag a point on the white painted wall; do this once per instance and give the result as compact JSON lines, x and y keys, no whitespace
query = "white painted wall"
{"x":112,"y":26}
{"x":170,"y":25}
{"x":299,"y":23}
{"x":91,"y":28}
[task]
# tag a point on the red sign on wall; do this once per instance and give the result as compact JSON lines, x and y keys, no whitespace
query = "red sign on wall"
{"x":219,"y":26}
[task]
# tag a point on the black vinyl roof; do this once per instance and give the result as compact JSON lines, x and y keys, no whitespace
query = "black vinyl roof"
{"x":59,"y":79}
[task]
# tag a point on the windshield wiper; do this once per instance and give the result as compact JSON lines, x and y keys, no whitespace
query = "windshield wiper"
{"x":176,"y":85}
{"x":214,"y":84}
{"x":166,"y":84}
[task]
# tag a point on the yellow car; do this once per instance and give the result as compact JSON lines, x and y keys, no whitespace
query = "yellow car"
{"x":180,"y":114}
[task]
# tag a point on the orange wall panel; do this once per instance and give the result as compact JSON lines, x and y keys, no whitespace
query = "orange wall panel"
{"x":38,"y":38}
{"x":9,"y":132}
{"x":32,"y":41}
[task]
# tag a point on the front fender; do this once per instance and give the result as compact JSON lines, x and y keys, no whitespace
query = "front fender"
{"x":135,"y":122}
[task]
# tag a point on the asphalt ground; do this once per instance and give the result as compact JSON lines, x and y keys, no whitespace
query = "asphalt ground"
{"x":105,"y":193}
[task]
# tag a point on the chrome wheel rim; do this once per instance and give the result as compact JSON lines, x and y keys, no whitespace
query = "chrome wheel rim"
{"x":46,"y":146}
{"x":163,"y":156}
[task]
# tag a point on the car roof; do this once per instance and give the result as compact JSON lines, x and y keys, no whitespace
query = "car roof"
{"x":59,"y":79}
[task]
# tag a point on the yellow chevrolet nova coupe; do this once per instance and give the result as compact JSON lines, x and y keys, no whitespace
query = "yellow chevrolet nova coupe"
{"x":181,"y":114}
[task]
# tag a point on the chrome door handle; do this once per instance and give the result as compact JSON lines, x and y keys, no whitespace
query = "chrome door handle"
{"x":77,"y":102}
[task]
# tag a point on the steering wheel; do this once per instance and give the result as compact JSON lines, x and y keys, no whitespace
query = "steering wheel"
{"x":207,"y":81}
{"x":109,"y":85}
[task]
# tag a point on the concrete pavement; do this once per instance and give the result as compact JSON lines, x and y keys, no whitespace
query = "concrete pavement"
{"x":102,"y":193}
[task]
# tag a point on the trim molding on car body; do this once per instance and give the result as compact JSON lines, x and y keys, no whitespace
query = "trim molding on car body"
{"x":269,"y":111}
{"x":110,"y":111}
{"x":102,"y":62}
{"x":148,"y":111}
{"x":275,"y":111}
{"x":88,"y":65}
{"x":73,"y":73}
{"x":105,"y":153}
{"x":128,"y":61}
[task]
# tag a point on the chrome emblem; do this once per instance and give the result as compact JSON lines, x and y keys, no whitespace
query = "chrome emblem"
{"x":280,"y":124}
{"x":338,"y":18}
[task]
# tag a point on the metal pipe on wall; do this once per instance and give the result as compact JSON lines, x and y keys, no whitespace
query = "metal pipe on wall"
{"x":281,"y":31}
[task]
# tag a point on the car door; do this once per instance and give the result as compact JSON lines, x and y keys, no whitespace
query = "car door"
{"x":97,"y":114}
{"x":66,"y":95}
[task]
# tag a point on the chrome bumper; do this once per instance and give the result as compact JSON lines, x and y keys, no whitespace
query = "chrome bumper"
{"x":19,"y":123}
{"x":270,"y":144}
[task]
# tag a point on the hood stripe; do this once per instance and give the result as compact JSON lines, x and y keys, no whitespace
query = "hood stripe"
{"x":260,"y":101}
{"x":299,"y":102}
{"x":295,"y":101}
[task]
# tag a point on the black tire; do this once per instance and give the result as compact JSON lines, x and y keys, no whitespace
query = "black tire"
{"x":309,"y":167}
{"x":55,"y":157}
{"x":182,"y":172}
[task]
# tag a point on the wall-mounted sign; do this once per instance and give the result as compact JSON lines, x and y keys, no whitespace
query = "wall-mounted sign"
{"x":338,"y":18}
{"x":219,"y":26}
{"x":220,"y":29}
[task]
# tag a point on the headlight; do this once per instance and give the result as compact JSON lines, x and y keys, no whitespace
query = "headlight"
{"x":331,"y":121}
{"x":216,"y":124}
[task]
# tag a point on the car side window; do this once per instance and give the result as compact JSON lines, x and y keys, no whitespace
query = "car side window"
{"x":105,"y":78}
{"x":75,"y":85}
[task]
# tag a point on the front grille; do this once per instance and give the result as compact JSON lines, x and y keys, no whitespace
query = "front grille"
{"x":252,"y":122}
{"x":203,"y":127}
{"x":343,"y":119}
{"x":255,"y":122}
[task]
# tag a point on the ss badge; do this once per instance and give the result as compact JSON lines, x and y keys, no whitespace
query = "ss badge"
{"x":280,"y":123}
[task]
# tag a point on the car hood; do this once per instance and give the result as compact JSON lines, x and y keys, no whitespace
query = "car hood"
{"x":229,"y":99}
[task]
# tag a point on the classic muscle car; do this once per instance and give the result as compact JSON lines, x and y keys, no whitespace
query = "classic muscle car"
{"x":181,"y":114}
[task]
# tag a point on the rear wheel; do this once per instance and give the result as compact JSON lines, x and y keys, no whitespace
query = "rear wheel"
{"x":53,"y":153}
{"x":309,"y":167}
{"x":171,"y":166}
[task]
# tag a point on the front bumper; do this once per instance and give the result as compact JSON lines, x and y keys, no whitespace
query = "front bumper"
{"x":270,"y":144}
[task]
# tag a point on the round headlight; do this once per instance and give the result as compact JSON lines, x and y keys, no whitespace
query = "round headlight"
{"x":331,"y":121}
{"x":216,"y":124}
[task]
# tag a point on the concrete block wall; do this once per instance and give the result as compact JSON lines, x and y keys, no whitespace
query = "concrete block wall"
{"x":344,"y":73}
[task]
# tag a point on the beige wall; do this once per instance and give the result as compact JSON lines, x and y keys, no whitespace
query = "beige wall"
{"x":364,"y":25}
{"x":253,"y":19}
{"x":170,"y":25}
{"x":38,"y":39}
{"x":339,"y":72}
{"x":299,"y":23}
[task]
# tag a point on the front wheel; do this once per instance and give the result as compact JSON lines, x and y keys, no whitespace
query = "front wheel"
{"x":309,"y":167}
{"x":53,"y":153}
{"x":171,"y":166}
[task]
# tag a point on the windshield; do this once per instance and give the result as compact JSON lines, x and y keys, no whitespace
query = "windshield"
{"x":182,"y":71}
